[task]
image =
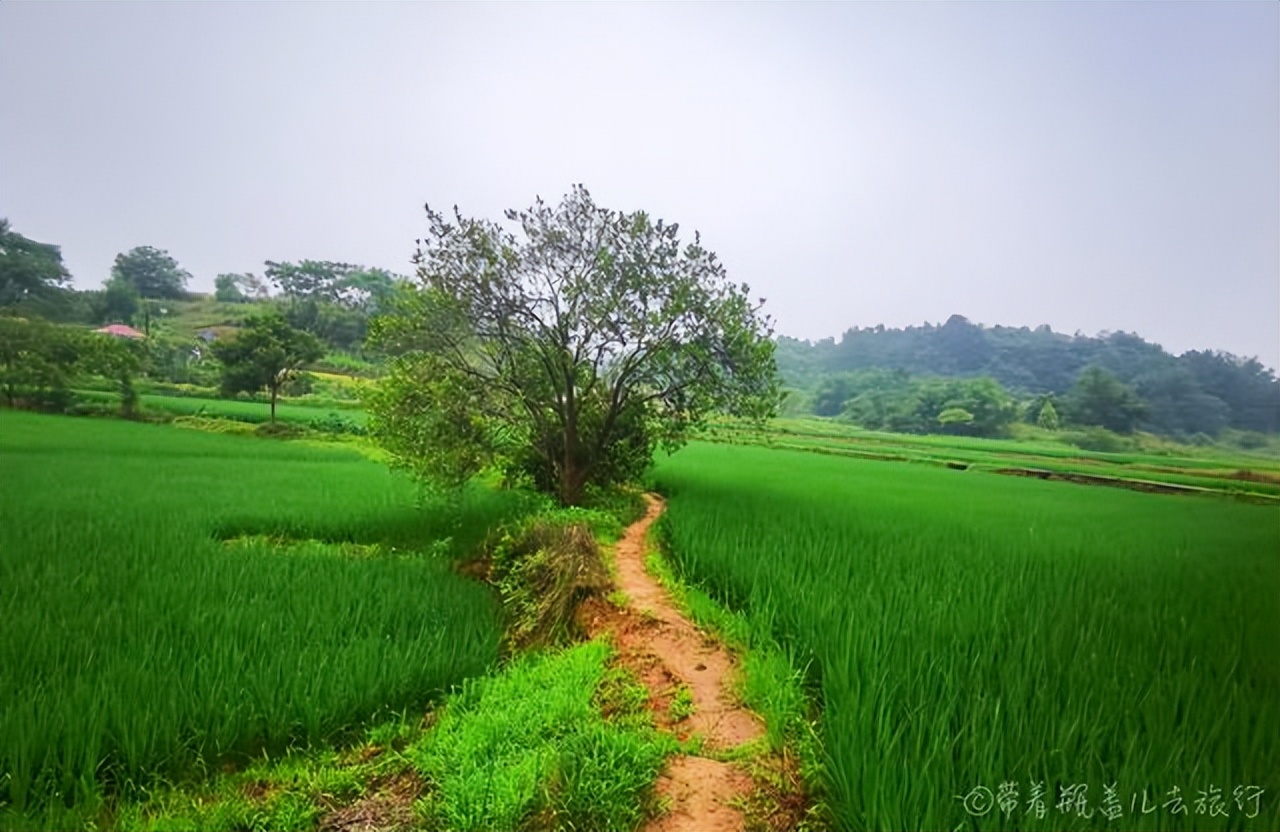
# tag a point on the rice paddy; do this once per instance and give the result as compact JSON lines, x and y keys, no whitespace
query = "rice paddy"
{"x":174,"y":600}
{"x":979,"y":647}
{"x":983,"y":646}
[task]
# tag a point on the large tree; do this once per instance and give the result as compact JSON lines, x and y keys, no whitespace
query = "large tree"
{"x":264,"y":355}
{"x":1099,"y":398}
{"x":27,"y":268}
{"x":37,"y":360}
{"x":152,"y":272}
{"x":568,"y":349}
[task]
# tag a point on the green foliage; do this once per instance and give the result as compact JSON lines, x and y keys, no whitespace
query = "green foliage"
{"x":28,"y":269}
{"x":119,"y":359}
{"x":1048,"y":416}
{"x":151,"y":272}
{"x":244,"y":410}
{"x":118,"y":302}
{"x":543,"y":568}
{"x":226,"y":288}
{"x":266,"y":354}
{"x":1248,"y":389}
{"x":976,"y":629}
{"x":176,"y":364}
{"x":332,"y":301}
{"x":955,"y":419}
{"x":1098,"y":439}
{"x":423,"y":414}
{"x":333,"y":422}
{"x":1099,"y":399}
{"x":530,"y":749}
{"x":278,"y":430}
{"x":1147,"y":458}
{"x":340,"y":362}
{"x":139,"y":645}
{"x":567,"y":360}
{"x":37,"y":361}
{"x":896,"y":401}
{"x":1197,"y":392}
{"x":625,"y":504}
{"x":682,"y":705}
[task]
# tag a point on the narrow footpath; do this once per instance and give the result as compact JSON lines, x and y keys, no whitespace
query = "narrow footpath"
{"x":690,"y":679}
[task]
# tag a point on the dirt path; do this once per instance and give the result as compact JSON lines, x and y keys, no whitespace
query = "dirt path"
{"x":684,"y":670}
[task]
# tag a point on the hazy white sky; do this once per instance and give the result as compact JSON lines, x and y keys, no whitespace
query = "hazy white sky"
{"x":1093,"y":166}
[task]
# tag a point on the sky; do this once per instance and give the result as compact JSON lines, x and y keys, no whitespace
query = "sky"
{"x":1093,"y":166}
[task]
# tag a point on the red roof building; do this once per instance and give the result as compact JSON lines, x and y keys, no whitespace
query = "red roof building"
{"x":120,"y":331}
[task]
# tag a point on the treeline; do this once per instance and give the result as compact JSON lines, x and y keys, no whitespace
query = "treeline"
{"x":254,"y":335}
{"x":963,"y":378}
{"x":147,"y":287}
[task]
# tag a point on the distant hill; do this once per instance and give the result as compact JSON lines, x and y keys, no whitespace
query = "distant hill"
{"x":1198,"y":391}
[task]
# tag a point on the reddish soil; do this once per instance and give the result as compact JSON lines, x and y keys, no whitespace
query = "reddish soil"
{"x":666,"y":652}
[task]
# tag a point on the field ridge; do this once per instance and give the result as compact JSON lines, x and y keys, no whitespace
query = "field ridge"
{"x":690,"y":677}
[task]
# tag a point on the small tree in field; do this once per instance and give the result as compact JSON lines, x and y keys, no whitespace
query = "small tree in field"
{"x":119,"y":359}
{"x":264,"y":355}
{"x":1048,"y":418}
{"x":568,"y":351}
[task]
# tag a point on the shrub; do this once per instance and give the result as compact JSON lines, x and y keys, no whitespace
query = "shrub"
{"x":334,"y":423}
{"x":543,"y":568}
{"x":278,"y":430}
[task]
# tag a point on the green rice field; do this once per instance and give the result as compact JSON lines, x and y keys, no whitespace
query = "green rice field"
{"x":173,"y":600}
{"x":1254,"y":474}
{"x":233,"y":409}
{"x":982,"y":646}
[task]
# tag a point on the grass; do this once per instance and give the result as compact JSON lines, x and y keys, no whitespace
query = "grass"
{"x":531,"y":749}
{"x":1215,"y":468}
{"x":139,"y":646}
{"x":240,"y":411}
{"x":551,"y":741}
{"x":964,"y":630}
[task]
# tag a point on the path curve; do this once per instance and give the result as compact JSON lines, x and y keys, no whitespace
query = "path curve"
{"x":669,"y":654}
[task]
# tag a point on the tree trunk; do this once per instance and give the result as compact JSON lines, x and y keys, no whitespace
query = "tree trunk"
{"x":273,"y":405}
{"x":573,"y":479}
{"x":571,"y":475}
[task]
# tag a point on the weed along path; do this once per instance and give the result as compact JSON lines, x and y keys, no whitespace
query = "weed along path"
{"x":689,"y":676}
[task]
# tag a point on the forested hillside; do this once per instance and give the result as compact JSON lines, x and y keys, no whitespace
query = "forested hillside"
{"x":888,"y":378}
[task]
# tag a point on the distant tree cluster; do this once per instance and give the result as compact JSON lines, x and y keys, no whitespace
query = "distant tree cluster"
{"x":1118,"y":381}
{"x":38,"y":361}
{"x":332,"y":301}
{"x":894,"y":400}
{"x":45,"y":325}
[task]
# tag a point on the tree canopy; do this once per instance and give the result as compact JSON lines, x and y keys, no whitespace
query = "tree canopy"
{"x":1099,"y":398}
{"x":566,"y":350}
{"x":264,"y":355}
{"x":332,"y":301}
{"x":1194,"y":393}
{"x":27,"y":268}
{"x":151,"y":272}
